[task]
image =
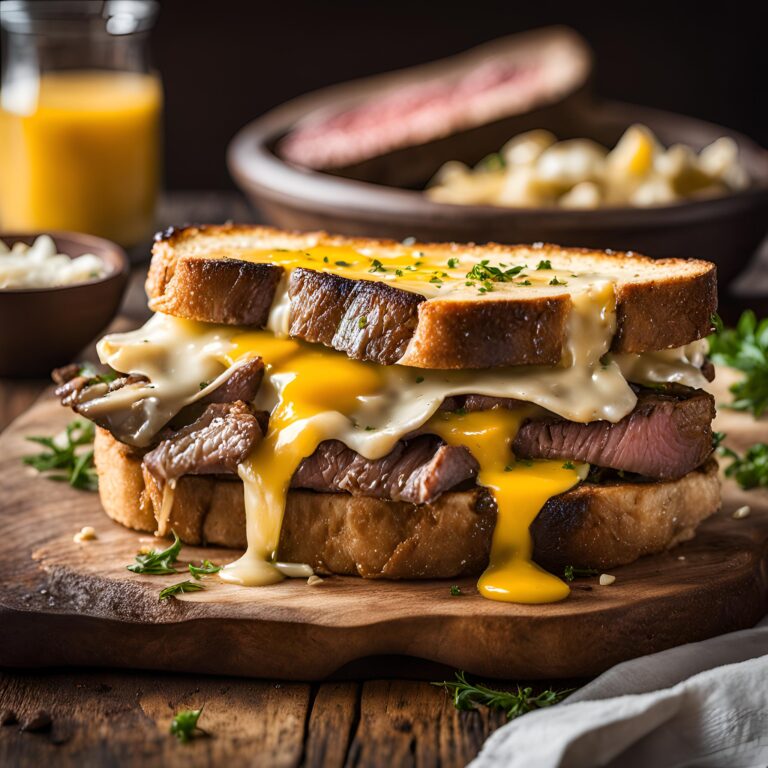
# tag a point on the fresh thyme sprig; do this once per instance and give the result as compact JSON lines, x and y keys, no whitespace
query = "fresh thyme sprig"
{"x":65,"y":459}
{"x":184,"y":725}
{"x":156,"y":563}
{"x":749,"y":470}
{"x":746,"y":349}
{"x":467,"y":696}
{"x":206,"y":568}
{"x":177,"y":589}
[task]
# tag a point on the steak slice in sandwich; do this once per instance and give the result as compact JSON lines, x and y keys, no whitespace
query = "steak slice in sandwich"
{"x":396,"y":410}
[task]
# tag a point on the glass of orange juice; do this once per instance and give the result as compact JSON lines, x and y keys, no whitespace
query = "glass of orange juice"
{"x":80,"y":112}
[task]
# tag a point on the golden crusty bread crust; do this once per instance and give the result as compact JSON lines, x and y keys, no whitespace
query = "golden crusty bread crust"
{"x":590,"y":526}
{"x":196,"y":274}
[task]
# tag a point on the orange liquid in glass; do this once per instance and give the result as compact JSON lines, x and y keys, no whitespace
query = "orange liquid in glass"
{"x":81,"y":154}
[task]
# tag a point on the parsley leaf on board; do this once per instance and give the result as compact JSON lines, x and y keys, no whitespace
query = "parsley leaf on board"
{"x":206,"y":568}
{"x":468,"y":696}
{"x":184,"y":725}
{"x":156,"y":563}
{"x":749,"y":470}
{"x":182,"y":586}
{"x":64,"y":457}
{"x":745,"y":348}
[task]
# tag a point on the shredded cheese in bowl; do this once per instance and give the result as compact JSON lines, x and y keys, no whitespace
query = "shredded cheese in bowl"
{"x":40,"y":266}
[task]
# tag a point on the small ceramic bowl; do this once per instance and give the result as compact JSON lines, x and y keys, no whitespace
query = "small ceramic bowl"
{"x":41,"y":328}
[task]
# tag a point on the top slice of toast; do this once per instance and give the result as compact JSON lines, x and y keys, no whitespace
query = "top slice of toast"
{"x":424,"y":305}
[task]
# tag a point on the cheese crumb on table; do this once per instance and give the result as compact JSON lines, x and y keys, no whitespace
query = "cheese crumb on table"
{"x":86,"y":533}
{"x":314,"y":580}
{"x":606,"y":579}
{"x":741,"y":512}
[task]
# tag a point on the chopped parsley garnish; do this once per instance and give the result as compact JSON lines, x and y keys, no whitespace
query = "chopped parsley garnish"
{"x":569,"y":465}
{"x":555,"y":281}
{"x":203,"y":385}
{"x":399,"y":272}
{"x":377,"y":266}
{"x":362,"y":322}
{"x":97,"y":378}
{"x":452,"y":263}
{"x":182,"y":586}
{"x":419,"y":379}
{"x":749,"y":470}
{"x":206,"y":568}
{"x":369,"y":428}
{"x":524,"y":282}
{"x":325,"y":259}
{"x":484,"y":272}
{"x":342,"y":263}
{"x":544,"y":264}
{"x":66,"y":460}
{"x":184,"y":725}
{"x":570,"y":573}
{"x":156,"y":563}
{"x":746,"y":349}
{"x":455,"y":590}
{"x":468,"y":696}
{"x":436,"y":280}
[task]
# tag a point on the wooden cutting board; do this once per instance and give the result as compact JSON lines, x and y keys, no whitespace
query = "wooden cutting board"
{"x":63,"y":603}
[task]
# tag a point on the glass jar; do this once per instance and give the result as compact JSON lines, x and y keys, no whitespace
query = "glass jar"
{"x":80,"y":112}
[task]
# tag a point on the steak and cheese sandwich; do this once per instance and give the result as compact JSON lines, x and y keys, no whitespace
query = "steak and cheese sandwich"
{"x":402,"y":411}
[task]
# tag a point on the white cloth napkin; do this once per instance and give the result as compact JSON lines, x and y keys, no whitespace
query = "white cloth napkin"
{"x":703,"y":704}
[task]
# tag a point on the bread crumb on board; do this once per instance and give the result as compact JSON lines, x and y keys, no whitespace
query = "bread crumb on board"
{"x":86,"y":533}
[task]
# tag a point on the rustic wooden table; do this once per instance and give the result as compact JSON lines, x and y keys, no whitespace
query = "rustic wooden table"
{"x":122,"y":718}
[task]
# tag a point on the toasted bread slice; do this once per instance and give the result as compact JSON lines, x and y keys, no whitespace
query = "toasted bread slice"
{"x":225,"y":274}
{"x":590,"y":526}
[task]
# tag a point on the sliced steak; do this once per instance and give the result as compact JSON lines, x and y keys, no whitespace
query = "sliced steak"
{"x":214,"y":444}
{"x":416,"y":471}
{"x":665,"y":437}
{"x":77,"y":385}
{"x":242,"y":384}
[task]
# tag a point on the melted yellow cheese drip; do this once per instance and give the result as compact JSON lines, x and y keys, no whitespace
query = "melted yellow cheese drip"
{"x":520,"y":489}
{"x":311,"y":384}
{"x":316,"y":391}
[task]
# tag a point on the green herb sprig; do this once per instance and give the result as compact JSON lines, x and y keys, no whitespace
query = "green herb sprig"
{"x":181,"y":587}
{"x":184,"y":725}
{"x":468,"y":696}
{"x":570,"y":572}
{"x":156,"y":563}
{"x":64,"y":458}
{"x":745,"y":348}
{"x":206,"y":568}
{"x":749,"y":470}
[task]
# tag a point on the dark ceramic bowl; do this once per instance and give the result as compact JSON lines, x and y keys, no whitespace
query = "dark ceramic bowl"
{"x":725,"y":230}
{"x":41,"y":328}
